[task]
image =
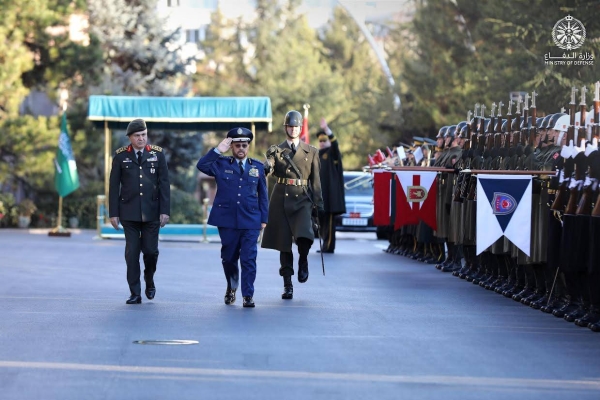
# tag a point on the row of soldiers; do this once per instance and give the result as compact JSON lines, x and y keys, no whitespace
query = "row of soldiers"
{"x":561,"y":275}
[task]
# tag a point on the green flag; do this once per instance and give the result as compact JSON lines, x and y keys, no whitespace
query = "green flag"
{"x":66,"y":179}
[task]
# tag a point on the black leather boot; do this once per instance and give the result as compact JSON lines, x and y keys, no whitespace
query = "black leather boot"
{"x":303,"y":249}
{"x":288,"y":288}
{"x":591,"y":317}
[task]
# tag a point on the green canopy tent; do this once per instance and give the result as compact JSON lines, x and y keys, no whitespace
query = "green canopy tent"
{"x":176,"y":113}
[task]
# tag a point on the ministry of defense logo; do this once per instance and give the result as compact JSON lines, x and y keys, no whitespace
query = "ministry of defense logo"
{"x":568,"y":33}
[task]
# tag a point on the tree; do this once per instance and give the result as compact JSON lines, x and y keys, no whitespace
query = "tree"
{"x":141,"y":57}
{"x":37,"y":53}
{"x":456,"y":53}
{"x":366,"y":98}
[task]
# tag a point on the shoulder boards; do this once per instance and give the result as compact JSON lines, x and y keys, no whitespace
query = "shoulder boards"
{"x":155,"y":147}
{"x":312,"y":147}
{"x":254,"y":160}
{"x":230,"y":159}
{"x":121,"y":149}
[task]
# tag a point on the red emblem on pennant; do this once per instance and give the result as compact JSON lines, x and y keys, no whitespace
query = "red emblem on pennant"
{"x":416,"y":194}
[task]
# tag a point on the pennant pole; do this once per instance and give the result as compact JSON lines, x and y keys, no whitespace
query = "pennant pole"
{"x":306,"y":106}
{"x":59,"y":230}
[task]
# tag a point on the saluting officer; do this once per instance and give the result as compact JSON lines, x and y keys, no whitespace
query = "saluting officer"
{"x":295,"y":196}
{"x":240,"y":209}
{"x":139,"y":198}
{"x":332,"y":184}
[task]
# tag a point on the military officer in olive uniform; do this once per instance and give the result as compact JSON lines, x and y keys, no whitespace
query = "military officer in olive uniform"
{"x":139,"y":198}
{"x":332,"y":183}
{"x":240,"y":209}
{"x":296,"y":196}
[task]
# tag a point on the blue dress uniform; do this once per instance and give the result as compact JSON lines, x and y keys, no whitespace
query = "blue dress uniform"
{"x":240,"y":206}
{"x":139,"y":193}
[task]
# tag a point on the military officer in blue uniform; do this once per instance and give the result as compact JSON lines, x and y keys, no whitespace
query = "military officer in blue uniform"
{"x":240,"y":209}
{"x":139,"y":198}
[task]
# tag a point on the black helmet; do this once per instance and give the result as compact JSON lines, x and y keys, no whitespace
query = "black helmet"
{"x":450,"y":131}
{"x":486,"y":125}
{"x":544,"y":123}
{"x":504,"y":125}
{"x":240,"y":135}
{"x":525,"y":123}
{"x":441,"y":132}
{"x":292,"y":118}
{"x":553,"y":119}
{"x":460,"y":126}
{"x":464,"y":131}
{"x":514,"y":126}
{"x":538,"y":121}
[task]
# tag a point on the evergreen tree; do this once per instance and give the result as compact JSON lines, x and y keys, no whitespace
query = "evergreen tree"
{"x":366,"y":98}
{"x":141,"y":57}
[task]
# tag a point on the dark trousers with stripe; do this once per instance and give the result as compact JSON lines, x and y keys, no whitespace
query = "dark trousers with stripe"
{"x":140,"y":237}
{"x":327,"y":231}
{"x":239,"y":244}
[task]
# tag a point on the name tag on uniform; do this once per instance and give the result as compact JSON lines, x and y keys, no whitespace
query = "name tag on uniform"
{"x":229,"y":171}
{"x":253,"y":172}
{"x":127,"y":160}
{"x":155,"y":158}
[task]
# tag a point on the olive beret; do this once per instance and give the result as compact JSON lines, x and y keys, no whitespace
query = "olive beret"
{"x":137,"y":125}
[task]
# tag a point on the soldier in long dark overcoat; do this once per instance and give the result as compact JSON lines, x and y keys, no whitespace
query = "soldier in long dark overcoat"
{"x":295,"y":198}
{"x":332,"y":182}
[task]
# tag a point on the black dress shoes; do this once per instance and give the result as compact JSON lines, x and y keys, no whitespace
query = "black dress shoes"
{"x":134,"y":299}
{"x":248,"y":302}
{"x":230,"y":296}
{"x":288,"y":292}
{"x":302,"y":271}
{"x":150,"y":292}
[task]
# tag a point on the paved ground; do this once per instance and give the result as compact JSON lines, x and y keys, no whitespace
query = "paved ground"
{"x":377,"y":326}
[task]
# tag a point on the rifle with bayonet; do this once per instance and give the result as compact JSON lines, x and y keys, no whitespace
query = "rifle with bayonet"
{"x":580,"y":160}
{"x":533,"y":130}
{"x":465,"y":164}
{"x":568,"y":163}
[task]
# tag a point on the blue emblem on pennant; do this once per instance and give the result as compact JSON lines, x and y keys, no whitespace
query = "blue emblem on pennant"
{"x":503,"y":203}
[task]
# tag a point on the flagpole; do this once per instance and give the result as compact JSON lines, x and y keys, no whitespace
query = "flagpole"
{"x":306,"y":106}
{"x":59,"y":230}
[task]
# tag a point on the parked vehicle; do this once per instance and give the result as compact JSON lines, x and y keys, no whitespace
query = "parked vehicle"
{"x":359,"y":203}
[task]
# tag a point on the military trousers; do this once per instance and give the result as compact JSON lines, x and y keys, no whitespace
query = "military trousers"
{"x":286,"y":258}
{"x":327,"y":231}
{"x":140,"y":237}
{"x":239,"y":245}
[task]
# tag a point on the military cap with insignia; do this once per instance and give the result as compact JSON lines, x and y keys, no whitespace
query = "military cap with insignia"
{"x":137,"y":125}
{"x":430,"y":141}
{"x":417,"y":141}
{"x":320,"y":133}
{"x":240,"y":135}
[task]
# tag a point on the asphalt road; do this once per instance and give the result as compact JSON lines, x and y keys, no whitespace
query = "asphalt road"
{"x":377,"y":326}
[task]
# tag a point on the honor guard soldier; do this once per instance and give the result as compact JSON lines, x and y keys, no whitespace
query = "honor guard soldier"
{"x":332,"y":183}
{"x":139,"y":198}
{"x":240,"y":209}
{"x":295,"y":198}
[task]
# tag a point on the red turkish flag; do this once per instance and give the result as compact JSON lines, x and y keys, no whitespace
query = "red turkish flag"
{"x":382,"y":192}
{"x":416,"y":194}
{"x":304,"y":136}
